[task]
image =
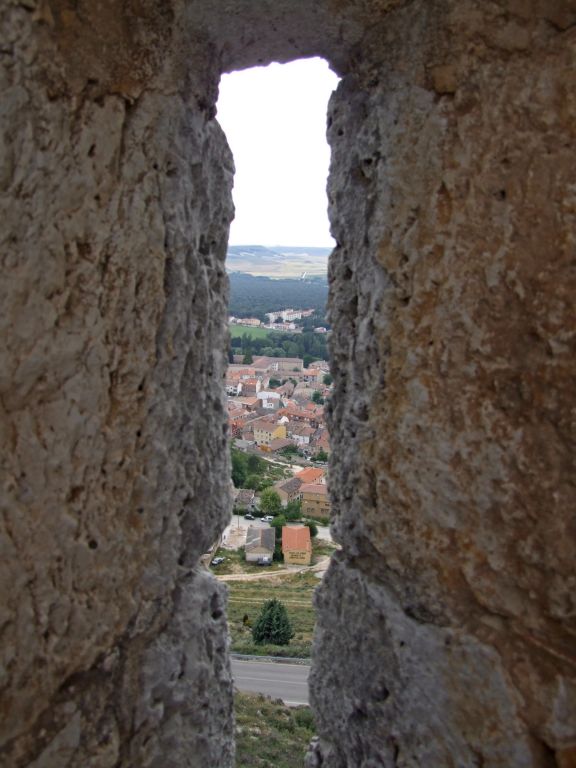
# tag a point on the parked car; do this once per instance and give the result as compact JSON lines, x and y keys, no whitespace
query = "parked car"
{"x":217,"y":560}
{"x":264,"y":560}
{"x":267,"y":518}
{"x":248,"y":516}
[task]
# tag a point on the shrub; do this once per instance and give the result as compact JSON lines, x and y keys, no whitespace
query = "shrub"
{"x":272,"y":625}
{"x":289,"y":450}
{"x":313,"y":528}
{"x":255,"y":464}
{"x":304,"y":718}
{"x":293,"y":510}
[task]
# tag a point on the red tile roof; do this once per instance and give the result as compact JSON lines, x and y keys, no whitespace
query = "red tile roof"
{"x":296,"y":538}
{"x":310,"y":475}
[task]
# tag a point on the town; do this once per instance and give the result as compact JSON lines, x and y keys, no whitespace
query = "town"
{"x":280,"y":447}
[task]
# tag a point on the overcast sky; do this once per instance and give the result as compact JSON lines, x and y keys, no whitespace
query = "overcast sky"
{"x":275,"y":121}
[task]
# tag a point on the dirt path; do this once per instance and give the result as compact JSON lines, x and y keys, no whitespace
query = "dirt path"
{"x":319,"y":567}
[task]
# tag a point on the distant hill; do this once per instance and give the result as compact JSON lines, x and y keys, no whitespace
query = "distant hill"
{"x":277,"y":261}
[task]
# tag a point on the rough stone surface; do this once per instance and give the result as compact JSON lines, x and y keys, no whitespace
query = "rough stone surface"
{"x":452,"y":609}
{"x":447,"y":623}
{"x":116,"y":194}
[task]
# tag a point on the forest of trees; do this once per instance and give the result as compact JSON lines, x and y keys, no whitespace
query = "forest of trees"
{"x":309,"y":346}
{"x":254,"y":296}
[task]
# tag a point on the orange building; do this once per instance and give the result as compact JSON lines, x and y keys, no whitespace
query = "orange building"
{"x":311,"y":475}
{"x":296,"y":545}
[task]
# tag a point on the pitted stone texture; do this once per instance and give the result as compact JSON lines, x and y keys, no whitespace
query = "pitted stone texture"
{"x":452,"y":201}
{"x":249,"y":33}
{"x":115,"y":210}
{"x":451,"y":195}
{"x":414,"y":676}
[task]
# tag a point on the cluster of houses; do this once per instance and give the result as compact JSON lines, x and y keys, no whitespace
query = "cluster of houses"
{"x":308,"y":486}
{"x":273,"y":418}
{"x":296,"y":545}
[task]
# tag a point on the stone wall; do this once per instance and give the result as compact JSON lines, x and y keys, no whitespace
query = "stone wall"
{"x":446,"y":624}
{"x":115,"y":200}
{"x":451,"y":609}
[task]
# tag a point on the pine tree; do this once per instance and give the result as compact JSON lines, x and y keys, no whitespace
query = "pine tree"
{"x":272,"y":625}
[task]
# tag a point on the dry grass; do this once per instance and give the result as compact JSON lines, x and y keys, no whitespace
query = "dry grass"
{"x":246,"y":599}
{"x":269,"y":734}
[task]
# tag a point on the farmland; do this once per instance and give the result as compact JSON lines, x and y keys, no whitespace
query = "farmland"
{"x":277,"y":262}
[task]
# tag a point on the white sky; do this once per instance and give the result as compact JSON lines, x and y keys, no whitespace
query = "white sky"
{"x":275,"y":120}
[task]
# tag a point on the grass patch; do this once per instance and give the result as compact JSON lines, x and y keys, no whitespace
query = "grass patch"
{"x":275,"y":472}
{"x":253,"y":332}
{"x":270,"y":734}
{"x":252,"y":471}
{"x":246,"y":599}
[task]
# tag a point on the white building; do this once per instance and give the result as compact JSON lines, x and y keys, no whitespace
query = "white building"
{"x":270,"y":400}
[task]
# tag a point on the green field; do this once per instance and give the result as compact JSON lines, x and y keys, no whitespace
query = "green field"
{"x":270,"y":734}
{"x":254,"y":333}
{"x":246,"y":599}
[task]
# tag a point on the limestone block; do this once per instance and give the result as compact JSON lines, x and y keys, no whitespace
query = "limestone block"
{"x":115,"y":203}
{"x":446,"y":624}
{"x":452,"y":347}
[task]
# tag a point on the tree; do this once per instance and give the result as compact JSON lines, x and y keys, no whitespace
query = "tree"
{"x":255,"y":464}
{"x":278,"y":523}
{"x":248,"y":360}
{"x":272,"y":625}
{"x":273,"y":383}
{"x":327,"y":379}
{"x":313,"y":528}
{"x":321,"y":456}
{"x":293,"y":510}
{"x":317,"y":397}
{"x":238,"y":469}
{"x":252,"y":481}
{"x":291,"y":349}
{"x":270,"y":502}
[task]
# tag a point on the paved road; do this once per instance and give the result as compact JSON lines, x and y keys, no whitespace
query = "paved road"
{"x":288,"y":682}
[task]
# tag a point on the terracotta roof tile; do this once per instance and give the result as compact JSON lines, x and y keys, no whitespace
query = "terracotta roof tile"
{"x":310,"y":475}
{"x":296,"y":538}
